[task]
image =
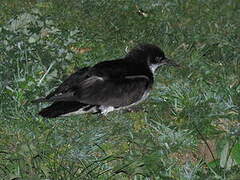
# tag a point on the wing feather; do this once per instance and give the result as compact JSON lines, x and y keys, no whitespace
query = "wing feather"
{"x":114,"y":92}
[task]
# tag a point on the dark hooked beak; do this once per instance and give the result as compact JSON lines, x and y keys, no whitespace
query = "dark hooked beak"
{"x":170,"y":62}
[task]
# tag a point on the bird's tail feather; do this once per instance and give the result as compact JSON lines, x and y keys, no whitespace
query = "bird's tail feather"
{"x":65,"y":108}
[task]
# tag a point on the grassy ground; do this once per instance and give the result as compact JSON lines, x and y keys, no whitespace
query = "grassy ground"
{"x":187,"y":129}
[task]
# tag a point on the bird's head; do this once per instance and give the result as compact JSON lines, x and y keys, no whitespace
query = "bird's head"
{"x":152,"y":55}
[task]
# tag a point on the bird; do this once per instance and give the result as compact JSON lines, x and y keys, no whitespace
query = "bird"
{"x":108,"y":85}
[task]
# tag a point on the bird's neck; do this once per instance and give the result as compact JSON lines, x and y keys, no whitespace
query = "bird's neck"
{"x":153,"y":67}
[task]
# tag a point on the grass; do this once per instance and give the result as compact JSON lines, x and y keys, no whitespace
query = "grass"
{"x":187,"y":129}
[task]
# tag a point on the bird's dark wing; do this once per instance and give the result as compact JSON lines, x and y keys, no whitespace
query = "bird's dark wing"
{"x":113,"y":92}
{"x":71,"y":92}
{"x":96,"y":90}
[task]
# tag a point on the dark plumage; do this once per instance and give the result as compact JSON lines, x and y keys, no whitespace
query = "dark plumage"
{"x":107,"y":86}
